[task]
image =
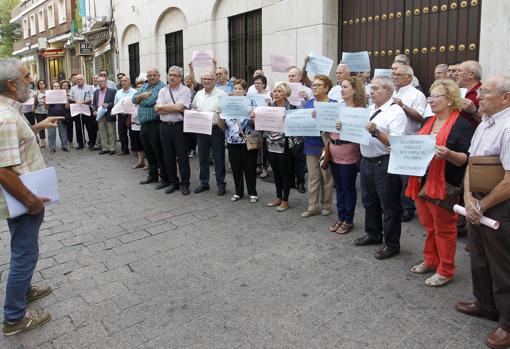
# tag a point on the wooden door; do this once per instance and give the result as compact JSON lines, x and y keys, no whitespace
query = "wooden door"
{"x":429,"y":32}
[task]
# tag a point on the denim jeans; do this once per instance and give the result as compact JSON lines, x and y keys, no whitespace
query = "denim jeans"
{"x":62,"y":132}
{"x":217,"y":141}
{"x":344,"y":177}
{"x":380,"y":194}
{"x":24,"y":254}
{"x":407,"y":203}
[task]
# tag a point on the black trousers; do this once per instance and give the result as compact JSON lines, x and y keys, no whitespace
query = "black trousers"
{"x":490,"y":264}
{"x":88,"y":122}
{"x":297,"y":163}
{"x":192,"y":141}
{"x":70,"y":129}
{"x":280,"y":165}
{"x":39,"y":118}
{"x":123,"y":132}
{"x":149,"y":134}
{"x":380,"y":194}
{"x":244,"y":167}
{"x":175,"y":151}
{"x":31,"y":118}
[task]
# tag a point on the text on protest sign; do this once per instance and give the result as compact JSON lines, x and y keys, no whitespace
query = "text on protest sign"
{"x":411,"y":155}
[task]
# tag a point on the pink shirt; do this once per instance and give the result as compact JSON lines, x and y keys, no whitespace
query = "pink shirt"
{"x":100,"y":98}
{"x":343,"y":154}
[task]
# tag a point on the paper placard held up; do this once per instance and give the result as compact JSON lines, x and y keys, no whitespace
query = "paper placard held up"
{"x":269,"y":119}
{"x":202,"y":58}
{"x":198,"y":122}
{"x":318,"y":64}
{"x":77,"y":109}
{"x":357,"y":61}
{"x":282,"y":64}
{"x":299,"y":122}
{"x":411,"y":155}
{"x":56,"y":96}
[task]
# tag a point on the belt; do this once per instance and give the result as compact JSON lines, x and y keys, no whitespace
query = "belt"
{"x":172,"y":123}
{"x":338,"y":141}
{"x":376,"y":159}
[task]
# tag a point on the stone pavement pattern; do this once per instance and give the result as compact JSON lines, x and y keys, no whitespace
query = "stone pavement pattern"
{"x":132,"y":267}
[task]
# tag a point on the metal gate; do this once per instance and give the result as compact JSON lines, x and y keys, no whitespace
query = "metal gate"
{"x":429,"y":32}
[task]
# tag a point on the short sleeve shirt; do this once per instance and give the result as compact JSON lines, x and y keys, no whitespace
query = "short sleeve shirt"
{"x":208,"y":102}
{"x":414,"y":99}
{"x":18,"y":144}
{"x":182,"y":95}
{"x":492,"y":137}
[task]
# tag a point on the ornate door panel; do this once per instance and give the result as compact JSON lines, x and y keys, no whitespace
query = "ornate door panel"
{"x":428,"y":31}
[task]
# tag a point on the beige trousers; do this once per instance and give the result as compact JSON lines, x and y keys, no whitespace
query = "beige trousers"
{"x":320,"y":185}
{"x":108,"y":133}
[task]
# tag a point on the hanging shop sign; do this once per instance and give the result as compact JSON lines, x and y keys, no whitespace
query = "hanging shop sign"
{"x":53,"y":53}
{"x":100,"y":35}
{"x":85,"y":49}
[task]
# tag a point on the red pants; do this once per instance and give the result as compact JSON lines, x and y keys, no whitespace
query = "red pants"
{"x":441,"y":227}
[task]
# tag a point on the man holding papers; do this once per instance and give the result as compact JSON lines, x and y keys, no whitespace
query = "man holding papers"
{"x":380,"y":190}
{"x":125,"y":91}
{"x":104,"y":98}
{"x":20,"y":154}
{"x":82,"y":94}
{"x":208,"y":100}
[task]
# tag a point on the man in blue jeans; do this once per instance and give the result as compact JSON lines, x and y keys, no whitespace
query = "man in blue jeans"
{"x":20,"y":154}
{"x":208,"y":100}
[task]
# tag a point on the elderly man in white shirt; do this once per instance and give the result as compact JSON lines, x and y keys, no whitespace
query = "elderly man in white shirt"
{"x":380,"y":190}
{"x":170,"y":105}
{"x":208,"y":100}
{"x":413,"y":102}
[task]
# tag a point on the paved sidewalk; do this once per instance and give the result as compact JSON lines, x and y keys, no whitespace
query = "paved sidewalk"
{"x":132,"y":267}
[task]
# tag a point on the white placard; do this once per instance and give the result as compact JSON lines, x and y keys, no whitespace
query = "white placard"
{"x":56,"y":96}
{"x":79,"y":109}
{"x":198,"y":122}
{"x":269,"y":119}
{"x":282,"y":64}
{"x":202,"y":58}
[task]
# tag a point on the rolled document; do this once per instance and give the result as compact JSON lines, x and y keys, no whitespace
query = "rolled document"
{"x":491,"y":223}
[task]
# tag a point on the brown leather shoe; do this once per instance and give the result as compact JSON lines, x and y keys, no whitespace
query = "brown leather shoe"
{"x":498,"y":339}
{"x":473,"y":309}
{"x":386,"y":253}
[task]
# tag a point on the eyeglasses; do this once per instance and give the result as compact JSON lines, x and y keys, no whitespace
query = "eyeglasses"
{"x":399,"y":74}
{"x":483,"y":92}
{"x":435,"y":97}
{"x":102,"y":74}
{"x":317,"y":85}
{"x":208,"y":79}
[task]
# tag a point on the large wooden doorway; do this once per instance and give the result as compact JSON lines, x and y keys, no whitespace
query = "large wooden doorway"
{"x":430,"y":32}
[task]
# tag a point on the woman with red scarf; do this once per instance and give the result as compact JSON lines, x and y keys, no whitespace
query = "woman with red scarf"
{"x":453,"y":137}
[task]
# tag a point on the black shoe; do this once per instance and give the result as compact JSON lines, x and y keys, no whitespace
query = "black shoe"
{"x":407,"y":216}
{"x":112,"y":152}
{"x":301,"y":188}
{"x":386,"y":253}
{"x":161,"y":185}
{"x":123,"y":153}
{"x":96,"y":148}
{"x":171,"y":189}
{"x":221,"y":191}
{"x":79,"y":147}
{"x":102,"y":152}
{"x":367,"y":240}
{"x":201,"y":188}
{"x":185,"y":189}
{"x":149,"y":180}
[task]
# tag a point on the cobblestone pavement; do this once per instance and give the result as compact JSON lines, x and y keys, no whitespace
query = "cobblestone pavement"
{"x":132,"y":267}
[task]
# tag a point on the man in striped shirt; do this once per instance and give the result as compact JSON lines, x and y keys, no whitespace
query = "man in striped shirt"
{"x":19,"y":154}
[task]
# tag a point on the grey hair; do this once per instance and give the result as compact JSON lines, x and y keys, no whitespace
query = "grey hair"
{"x":407,"y":69}
{"x":9,"y":70}
{"x":474,"y":67}
{"x":504,"y":85}
{"x":402,"y":59}
{"x":442,"y":66}
{"x":341,"y":64}
{"x":177,"y":69}
{"x":297,"y":69}
{"x":386,"y":81}
{"x":210,"y":73}
{"x":224,"y":70}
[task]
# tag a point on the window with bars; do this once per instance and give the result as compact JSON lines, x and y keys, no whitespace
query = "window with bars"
{"x":174,"y":52}
{"x":245,"y":44}
{"x":134,"y":61}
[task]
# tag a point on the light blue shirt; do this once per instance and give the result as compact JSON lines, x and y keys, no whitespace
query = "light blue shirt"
{"x":121,"y":94}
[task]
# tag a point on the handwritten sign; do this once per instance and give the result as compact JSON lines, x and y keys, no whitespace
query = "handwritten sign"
{"x":77,"y":109}
{"x":411,"y":155}
{"x":357,"y":61}
{"x":56,"y":96}
{"x":198,"y":122}
{"x":353,"y":122}
{"x":382,"y":72}
{"x":318,"y":64}
{"x":299,"y":122}
{"x":235,"y":107}
{"x":282,"y":64}
{"x":269,"y":119}
{"x":202,"y":58}
{"x":327,"y":115}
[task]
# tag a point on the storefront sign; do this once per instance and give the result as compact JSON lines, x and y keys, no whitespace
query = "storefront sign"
{"x":100,"y":35}
{"x":84,"y":49}
{"x":53,"y":53}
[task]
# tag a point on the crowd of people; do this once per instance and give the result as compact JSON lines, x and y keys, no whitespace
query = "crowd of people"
{"x":467,"y":125}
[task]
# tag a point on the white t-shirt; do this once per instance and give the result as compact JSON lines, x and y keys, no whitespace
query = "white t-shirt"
{"x":414,"y":99}
{"x":204,"y":101}
{"x":392,"y":121}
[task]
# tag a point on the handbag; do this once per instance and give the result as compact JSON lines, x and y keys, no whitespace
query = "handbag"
{"x":451,"y":197}
{"x":485,"y":172}
{"x":252,"y":140}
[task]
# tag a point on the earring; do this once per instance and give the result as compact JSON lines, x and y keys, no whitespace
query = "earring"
{"x":449,"y":104}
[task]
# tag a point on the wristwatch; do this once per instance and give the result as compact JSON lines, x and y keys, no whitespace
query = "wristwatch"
{"x":376,"y":133}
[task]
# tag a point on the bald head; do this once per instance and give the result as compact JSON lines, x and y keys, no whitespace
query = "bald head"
{"x":79,"y":80}
{"x":152,"y":76}
{"x":469,"y":73}
{"x":494,"y":94}
{"x":342,"y":72}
